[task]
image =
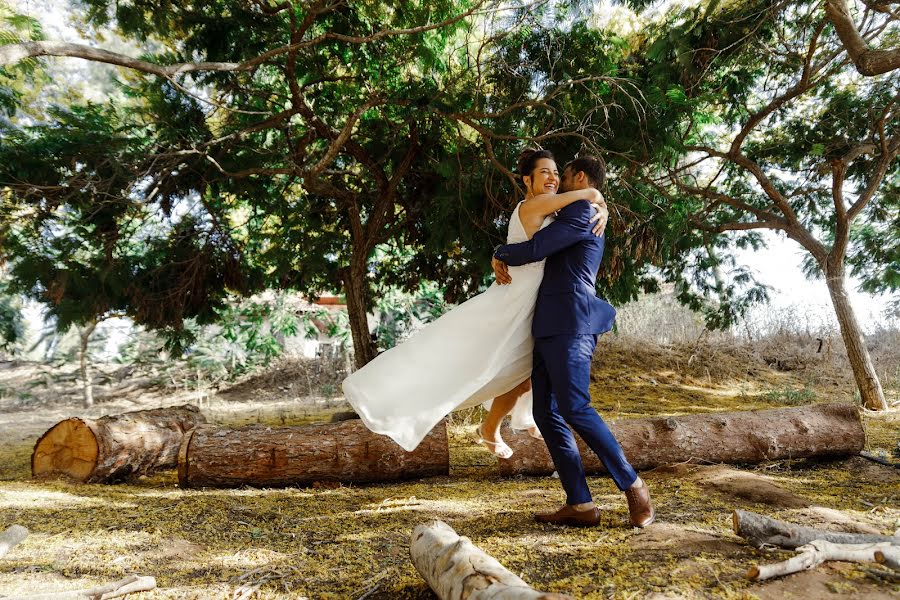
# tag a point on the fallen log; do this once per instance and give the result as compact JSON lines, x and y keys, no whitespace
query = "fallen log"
{"x":814,"y":554}
{"x":760,"y":530}
{"x":11,"y":537}
{"x":737,"y":437}
{"x":114,"y":447}
{"x":286,"y":456}
{"x":456,"y":569}
{"x":129,"y":585}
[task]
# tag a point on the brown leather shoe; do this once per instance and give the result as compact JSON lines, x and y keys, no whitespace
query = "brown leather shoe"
{"x":640,"y":510}
{"x":569,"y":516}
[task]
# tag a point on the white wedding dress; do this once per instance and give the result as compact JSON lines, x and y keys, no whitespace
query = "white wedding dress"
{"x":477,"y":351}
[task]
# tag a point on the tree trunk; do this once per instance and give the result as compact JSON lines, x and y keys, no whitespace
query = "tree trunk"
{"x":114,"y":447}
{"x":760,"y":530}
{"x":356,"y":289}
{"x":863,"y":370}
{"x":87,"y":376}
{"x":288,"y":456}
{"x":456,"y":569}
{"x":737,"y":437}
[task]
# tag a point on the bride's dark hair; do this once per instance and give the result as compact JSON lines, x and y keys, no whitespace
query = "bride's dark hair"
{"x":528,"y":160}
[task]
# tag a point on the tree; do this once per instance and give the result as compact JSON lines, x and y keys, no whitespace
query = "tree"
{"x":246,"y":143}
{"x":782,"y":136}
{"x":312,"y":135}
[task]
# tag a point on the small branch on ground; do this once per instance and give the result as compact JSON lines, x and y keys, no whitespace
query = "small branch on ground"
{"x":815,"y":553}
{"x":879,"y":460}
{"x":760,"y":530}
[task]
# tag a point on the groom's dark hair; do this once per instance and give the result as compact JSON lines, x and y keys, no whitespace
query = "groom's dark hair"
{"x":593,"y":166}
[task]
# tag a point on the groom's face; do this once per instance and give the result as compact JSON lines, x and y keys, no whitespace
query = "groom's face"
{"x":567,"y":181}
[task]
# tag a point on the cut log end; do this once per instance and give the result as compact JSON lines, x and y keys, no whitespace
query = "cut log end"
{"x":753,"y":573}
{"x":68,"y":449}
{"x":114,"y":447}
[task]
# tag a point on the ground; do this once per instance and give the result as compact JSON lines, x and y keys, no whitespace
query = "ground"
{"x":353,"y":541}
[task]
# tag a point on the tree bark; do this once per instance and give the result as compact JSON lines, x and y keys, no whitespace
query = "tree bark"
{"x":356,"y":289}
{"x":860,"y":362}
{"x":760,"y":530}
{"x":868,"y":61}
{"x":737,"y":437}
{"x":456,"y":569}
{"x":87,"y":376}
{"x":11,"y":54}
{"x":292,"y":456}
{"x":11,"y":537}
{"x":129,"y":585}
{"x":114,"y":447}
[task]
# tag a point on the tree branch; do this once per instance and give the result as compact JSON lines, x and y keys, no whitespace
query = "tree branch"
{"x":13,"y":53}
{"x":741,"y":226}
{"x":842,"y":222}
{"x":799,"y":88}
{"x":875,"y":181}
{"x":754,"y":169}
{"x":340,"y":140}
{"x":385,"y":202}
{"x":868,"y":62}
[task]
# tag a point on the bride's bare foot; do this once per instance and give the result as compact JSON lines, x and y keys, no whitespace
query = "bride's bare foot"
{"x":532,"y":431}
{"x":497,"y":446}
{"x":535,"y":432}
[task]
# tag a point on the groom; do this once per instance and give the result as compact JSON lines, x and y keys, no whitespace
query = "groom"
{"x":568,"y":319}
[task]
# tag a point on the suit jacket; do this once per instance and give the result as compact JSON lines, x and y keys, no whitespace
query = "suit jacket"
{"x":567,"y":303}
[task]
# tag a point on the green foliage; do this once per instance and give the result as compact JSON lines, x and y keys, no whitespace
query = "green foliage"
{"x":12,"y":325}
{"x":401,"y":313}
{"x":247,"y":335}
{"x":789,"y":396}
{"x":15,"y":80}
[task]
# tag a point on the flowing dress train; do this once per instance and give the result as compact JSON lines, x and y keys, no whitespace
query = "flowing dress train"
{"x":478,"y":350}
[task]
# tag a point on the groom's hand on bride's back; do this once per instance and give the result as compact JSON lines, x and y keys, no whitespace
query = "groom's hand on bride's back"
{"x":501,"y":271}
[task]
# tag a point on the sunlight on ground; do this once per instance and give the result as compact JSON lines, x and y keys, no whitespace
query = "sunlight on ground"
{"x":47,"y":500}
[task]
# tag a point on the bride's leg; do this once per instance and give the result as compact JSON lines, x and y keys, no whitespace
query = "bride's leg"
{"x":501,"y":406}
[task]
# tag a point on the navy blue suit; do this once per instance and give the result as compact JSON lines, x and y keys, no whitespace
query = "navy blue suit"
{"x":568,"y":319}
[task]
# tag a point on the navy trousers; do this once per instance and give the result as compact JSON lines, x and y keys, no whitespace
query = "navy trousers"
{"x":560,"y":382}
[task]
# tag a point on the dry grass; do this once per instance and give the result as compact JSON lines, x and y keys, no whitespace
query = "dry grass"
{"x":352,"y":541}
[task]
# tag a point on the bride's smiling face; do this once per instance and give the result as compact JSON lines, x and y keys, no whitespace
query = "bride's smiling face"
{"x":544,"y":179}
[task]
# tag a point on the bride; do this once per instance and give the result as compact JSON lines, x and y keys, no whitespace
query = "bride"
{"x":479,"y":351}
